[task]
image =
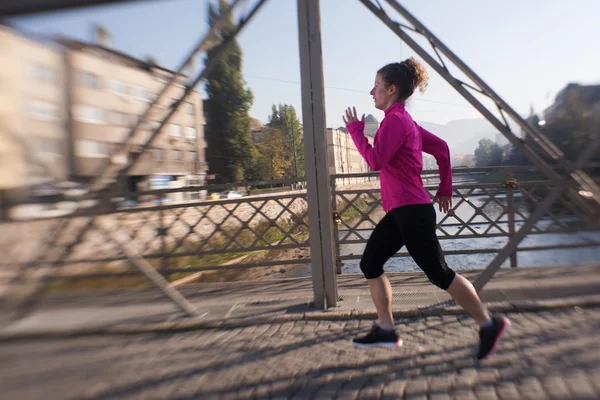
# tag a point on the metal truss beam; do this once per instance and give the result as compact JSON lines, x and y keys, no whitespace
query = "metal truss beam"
{"x":573,"y":179}
{"x":545,"y":144}
{"x":538,"y":213}
{"x":138,"y":261}
{"x":120,"y":240}
{"x":440,"y":67}
{"x":131,"y":152}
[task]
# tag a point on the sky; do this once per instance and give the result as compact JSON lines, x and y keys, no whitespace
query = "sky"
{"x":525,"y":50}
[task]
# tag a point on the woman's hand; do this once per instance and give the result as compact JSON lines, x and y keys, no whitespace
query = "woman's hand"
{"x":351,"y":116}
{"x":445,"y":203}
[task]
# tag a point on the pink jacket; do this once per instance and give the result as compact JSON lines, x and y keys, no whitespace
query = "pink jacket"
{"x":397,"y":154}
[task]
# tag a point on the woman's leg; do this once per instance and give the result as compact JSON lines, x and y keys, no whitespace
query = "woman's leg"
{"x":381,"y":293}
{"x":463,"y":292}
{"x":417,"y":224}
{"x":385,"y":241}
{"x":424,"y":247}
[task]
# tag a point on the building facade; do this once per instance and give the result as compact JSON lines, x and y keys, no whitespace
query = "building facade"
{"x":71,"y":104}
{"x":343,"y":156}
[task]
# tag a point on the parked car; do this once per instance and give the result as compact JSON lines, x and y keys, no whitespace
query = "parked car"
{"x":232,"y":194}
{"x":214,"y":196}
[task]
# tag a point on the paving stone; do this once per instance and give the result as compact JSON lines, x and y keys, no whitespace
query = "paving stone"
{"x":371,"y":392}
{"x":416,"y":386}
{"x":439,"y":396}
{"x":508,"y":391}
{"x":531,"y":388}
{"x":485,"y":392}
{"x":441,"y":383}
{"x":394,"y":389}
{"x":464,"y":394}
{"x":555,"y":387}
{"x":289,"y":359}
{"x":580,"y":386}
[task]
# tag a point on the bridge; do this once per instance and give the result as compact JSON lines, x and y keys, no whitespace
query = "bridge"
{"x":181,"y":313}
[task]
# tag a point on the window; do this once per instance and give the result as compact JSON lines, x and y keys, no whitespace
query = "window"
{"x":119,"y":119}
{"x":141,"y":93}
{"x":193,"y":156}
{"x":43,"y":111}
{"x":48,"y":146}
{"x":176,"y":155}
{"x":191,"y":133}
{"x":88,"y":80}
{"x":118,"y":87}
{"x":42,"y":73}
{"x":175,"y":130}
{"x":189,"y":108}
{"x":159,"y":154}
{"x":91,"y":148}
{"x":89,"y":114}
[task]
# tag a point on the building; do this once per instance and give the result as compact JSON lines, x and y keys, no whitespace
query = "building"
{"x":71,"y":104}
{"x":343,"y":156}
{"x":587,"y":96}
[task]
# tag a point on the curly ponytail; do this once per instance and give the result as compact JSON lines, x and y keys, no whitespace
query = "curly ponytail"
{"x":407,"y":76}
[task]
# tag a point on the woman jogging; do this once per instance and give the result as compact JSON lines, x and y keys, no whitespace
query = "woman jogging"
{"x":410,"y":218}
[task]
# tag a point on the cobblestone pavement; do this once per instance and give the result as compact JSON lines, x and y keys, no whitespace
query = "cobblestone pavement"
{"x":551,"y":354}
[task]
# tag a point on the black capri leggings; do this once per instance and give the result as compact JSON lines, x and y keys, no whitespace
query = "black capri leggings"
{"x":413,"y":226}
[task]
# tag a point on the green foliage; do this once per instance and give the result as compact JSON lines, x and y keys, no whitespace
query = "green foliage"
{"x":281,"y":146}
{"x":488,"y":153}
{"x":231,"y":154}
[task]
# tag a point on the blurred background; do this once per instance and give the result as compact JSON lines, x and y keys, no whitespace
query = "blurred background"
{"x":154,"y":164}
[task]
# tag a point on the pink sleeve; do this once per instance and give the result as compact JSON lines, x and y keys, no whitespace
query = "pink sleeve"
{"x":390,"y":137}
{"x":439,"y":149}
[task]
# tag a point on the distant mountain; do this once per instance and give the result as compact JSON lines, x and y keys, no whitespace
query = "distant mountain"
{"x":371,"y":125}
{"x":463,"y":135}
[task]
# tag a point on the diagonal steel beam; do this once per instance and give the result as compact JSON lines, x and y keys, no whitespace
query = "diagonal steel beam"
{"x":25,"y":305}
{"x":540,"y":210}
{"x":524,"y":147}
{"x":220,"y":48}
{"x":120,"y":239}
{"x":546,"y":144}
{"x":575,"y":178}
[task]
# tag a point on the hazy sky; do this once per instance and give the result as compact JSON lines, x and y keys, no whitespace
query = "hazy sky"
{"x":525,"y":50}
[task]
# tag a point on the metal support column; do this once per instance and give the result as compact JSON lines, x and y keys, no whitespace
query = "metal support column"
{"x":511,"y":211}
{"x":315,"y":148}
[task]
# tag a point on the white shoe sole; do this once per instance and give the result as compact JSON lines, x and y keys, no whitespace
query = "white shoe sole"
{"x":380,"y":344}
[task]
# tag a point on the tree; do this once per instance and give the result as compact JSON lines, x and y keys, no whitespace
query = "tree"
{"x":231,"y":153}
{"x":272,"y":163}
{"x":281,"y":146}
{"x":151,"y":61}
{"x":514,"y":155}
{"x":285,"y":120}
{"x":574,"y":130}
{"x":488,"y":153}
{"x":102,"y":35}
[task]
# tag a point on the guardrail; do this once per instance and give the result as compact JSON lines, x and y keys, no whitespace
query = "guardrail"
{"x":488,"y":202}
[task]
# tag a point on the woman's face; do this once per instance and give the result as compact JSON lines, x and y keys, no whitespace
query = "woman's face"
{"x":383,"y":95}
